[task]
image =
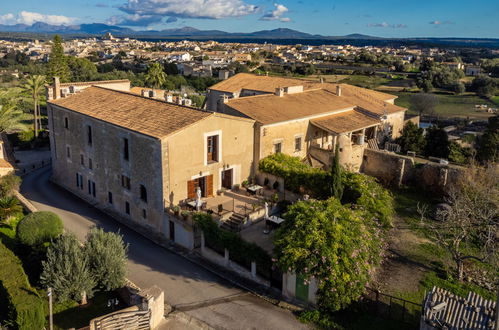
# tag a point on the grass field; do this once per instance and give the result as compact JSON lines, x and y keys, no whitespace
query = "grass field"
{"x":495,"y":99}
{"x":451,"y":105}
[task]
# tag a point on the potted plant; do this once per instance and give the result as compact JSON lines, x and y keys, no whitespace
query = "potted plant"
{"x":245,"y":183}
{"x":185,"y":214}
{"x":221,"y":191}
{"x":176,"y":210}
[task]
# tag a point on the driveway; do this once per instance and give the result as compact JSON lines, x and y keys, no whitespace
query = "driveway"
{"x":215,"y":301}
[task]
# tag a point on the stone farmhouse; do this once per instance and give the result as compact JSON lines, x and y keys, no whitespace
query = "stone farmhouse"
{"x":135,"y":156}
{"x":308,"y":119}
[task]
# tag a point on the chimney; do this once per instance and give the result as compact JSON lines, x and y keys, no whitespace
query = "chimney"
{"x":338,"y":90}
{"x":57,"y":88}
{"x":279,"y":91}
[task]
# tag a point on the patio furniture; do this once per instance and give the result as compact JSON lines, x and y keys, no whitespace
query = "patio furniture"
{"x":253,"y":189}
{"x":272,"y":223}
{"x":192,"y":204}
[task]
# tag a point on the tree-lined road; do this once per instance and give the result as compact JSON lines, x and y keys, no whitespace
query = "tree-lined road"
{"x":183,"y":281}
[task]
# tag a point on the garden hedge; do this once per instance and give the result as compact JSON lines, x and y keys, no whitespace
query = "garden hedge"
{"x":240,"y":251}
{"x":39,"y":227}
{"x":20,"y":305}
{"x":360,"y":190}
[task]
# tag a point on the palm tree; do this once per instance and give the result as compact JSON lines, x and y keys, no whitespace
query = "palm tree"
{"x":9,"y":206}
{"x":11,"y":119}
{"x":155,"y":75}
{"x":34,"y":85}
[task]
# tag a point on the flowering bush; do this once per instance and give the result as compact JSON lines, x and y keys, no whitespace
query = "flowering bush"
{"x":332,"y":243}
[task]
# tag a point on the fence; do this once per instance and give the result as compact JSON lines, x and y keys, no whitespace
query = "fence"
{"x":395,"y":308}
{"x":25,"y":168}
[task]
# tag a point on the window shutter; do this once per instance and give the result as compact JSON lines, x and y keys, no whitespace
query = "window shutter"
{"x":191,"y":193}
{"x":209,"y":185}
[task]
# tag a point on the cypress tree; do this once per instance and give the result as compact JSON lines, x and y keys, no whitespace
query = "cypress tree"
{"x":336,"y":183}
{"x":58,"y":64}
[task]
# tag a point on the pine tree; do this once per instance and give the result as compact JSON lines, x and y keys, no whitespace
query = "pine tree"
{"x":336,"y":183}
{"x":106,"y":253}
{"x":66,"y":270}
{"x":58,"y":65}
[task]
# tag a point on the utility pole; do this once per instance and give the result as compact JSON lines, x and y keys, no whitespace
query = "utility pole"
{"x":51,"y":322}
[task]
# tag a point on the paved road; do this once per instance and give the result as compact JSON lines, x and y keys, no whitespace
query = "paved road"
{"x":183,"y":281}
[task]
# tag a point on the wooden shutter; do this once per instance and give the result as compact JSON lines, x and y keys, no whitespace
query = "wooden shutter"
{"x":191,"y":192}
{"x":209,"y":185}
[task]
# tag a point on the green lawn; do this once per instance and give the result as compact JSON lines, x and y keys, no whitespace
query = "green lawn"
{"x":365,"y":81}
{"x":495,"y":99}
{"x":451,"y":105}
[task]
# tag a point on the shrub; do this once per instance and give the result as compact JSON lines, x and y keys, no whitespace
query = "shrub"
{"x":296,"y":174}
{"x":67,"y":270}
{"x":39,"y":227}
{"x":20,"y":305}
{"x":240,"y":251}
{"x":8,"y":184}
{"x":106,"y":252}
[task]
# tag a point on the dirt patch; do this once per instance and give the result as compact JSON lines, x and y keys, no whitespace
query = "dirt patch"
{"x":400,"y":272}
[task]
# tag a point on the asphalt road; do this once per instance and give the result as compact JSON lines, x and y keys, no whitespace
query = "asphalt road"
{"x":224,"y":306}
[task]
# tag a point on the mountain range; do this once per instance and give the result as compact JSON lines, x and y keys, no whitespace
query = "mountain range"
{"x":280,"y":35}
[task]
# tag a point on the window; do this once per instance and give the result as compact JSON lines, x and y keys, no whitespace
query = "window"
{"x":126,"y":154}
{"x":68,"y":152}
{"x":110,"y":197}
{"x":298,"y":143}
{"x":90,"y":163}
{"x":91,"y":187}
{"x":143,"y":193}
{"x":212,"y":149}
{"x":79,"y":180}
{"x":66,"y":123}
{"x":125,"y":182}
{"x":127,"y":208}
{"x":89,"y":135}
{"x":82,"y":160}
{"x":277,"y":147}
{"x":144,"y":213}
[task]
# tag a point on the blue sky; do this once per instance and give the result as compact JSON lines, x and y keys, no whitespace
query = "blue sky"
{"x":385,"y":18}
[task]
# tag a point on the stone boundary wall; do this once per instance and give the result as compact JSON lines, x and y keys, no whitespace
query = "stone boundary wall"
{"x":396,"y":170}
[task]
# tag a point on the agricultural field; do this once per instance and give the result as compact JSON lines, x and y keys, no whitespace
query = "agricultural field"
{"x":452,"y":105}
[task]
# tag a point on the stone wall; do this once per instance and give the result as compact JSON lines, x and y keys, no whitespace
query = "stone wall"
{"x":395,"y":170}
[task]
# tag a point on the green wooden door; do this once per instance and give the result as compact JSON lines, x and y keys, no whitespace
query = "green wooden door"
{"x":301,"y":288}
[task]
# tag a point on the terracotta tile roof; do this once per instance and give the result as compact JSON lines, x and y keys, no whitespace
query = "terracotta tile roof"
{"x":270,"y":108}
{"x":372,"y":101}
{"x":144,"y":115}
{"x":258,"y":83}
{"x":4,"y":163}
{"x":344,"y":122}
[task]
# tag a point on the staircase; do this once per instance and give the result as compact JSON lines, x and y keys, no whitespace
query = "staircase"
{"x":234,"y":223}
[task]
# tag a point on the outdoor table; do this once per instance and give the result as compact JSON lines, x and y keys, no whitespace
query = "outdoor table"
{"x":271,"y":223}
{"x":253,"y":189}
{"x":193,"y":205}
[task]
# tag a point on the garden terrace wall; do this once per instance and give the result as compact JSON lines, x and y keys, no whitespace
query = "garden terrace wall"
{"x":19,"y":302}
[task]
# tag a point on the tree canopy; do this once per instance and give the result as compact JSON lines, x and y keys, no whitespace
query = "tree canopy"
{"x":155,"y":76}
{"x":488,"y":145}
{"x":331,"y":243}
{"x":58,"y":65}
{"x":411,"y":138}
{"x":437,"y":143}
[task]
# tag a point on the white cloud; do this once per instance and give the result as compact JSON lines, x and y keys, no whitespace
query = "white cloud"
{"x":211,"y":9}
{"x":134,"y":20}
{"x":440,"y":22}
{"x":26,"y":17}
{"x":387,"y":25}
{"x":276,"y":14}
